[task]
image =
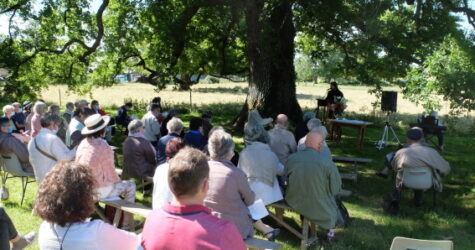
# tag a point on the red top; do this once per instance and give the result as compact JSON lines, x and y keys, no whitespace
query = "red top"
{"x":189,"y":227}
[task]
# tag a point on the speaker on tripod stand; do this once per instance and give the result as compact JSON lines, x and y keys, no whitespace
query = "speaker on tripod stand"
{"x":388,"y":104}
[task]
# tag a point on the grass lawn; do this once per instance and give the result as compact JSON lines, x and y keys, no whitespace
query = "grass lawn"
{"x":452,"y":218}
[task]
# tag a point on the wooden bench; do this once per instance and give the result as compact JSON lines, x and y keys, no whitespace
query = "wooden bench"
{"x":255,"y":243}
{"x":307,"y":225}
{"x":355,"y":162}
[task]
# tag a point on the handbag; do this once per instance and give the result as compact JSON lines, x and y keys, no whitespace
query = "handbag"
{"x":43,"y":152}
{"x":343,"y":217}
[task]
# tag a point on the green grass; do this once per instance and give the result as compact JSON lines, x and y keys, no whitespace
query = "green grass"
{"x":453,"y":217}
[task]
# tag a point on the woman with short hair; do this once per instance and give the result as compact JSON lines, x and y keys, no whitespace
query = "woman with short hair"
{"x":64,"y":203}
{"x":95,"y":153}
{"x":39,"y":109}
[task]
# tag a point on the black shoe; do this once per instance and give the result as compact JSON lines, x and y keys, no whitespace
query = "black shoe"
{"x":272,"y":235}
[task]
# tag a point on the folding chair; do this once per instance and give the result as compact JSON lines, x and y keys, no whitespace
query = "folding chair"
{"x":419,"y":178}
{"x":402,"y":243}
{"x":12,"y":169}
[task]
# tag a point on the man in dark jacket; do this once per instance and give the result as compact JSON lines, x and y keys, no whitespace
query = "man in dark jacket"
{"x":122,"y":117}
{"x":139,"y":154}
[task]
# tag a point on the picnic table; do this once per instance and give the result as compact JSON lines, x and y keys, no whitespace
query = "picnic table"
{"x":336,"y":124}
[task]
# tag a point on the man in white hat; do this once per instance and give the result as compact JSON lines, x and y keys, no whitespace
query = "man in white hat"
{"x":46,"y":149}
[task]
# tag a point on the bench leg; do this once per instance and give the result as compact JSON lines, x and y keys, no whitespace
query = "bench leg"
{"x":101,"y":214}
{"x":303,"y":243}
{"x":118,"y":213}
{"x":279,"y":212}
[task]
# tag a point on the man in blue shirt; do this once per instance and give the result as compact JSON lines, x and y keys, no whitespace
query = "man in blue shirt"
{"x":195,"y":137}
{"x":174,"y":127}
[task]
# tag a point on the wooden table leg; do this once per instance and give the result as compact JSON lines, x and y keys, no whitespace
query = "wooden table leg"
{"x":362,"y":130}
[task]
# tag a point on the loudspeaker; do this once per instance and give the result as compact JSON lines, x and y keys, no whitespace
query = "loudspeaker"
{"x":389,"y":101}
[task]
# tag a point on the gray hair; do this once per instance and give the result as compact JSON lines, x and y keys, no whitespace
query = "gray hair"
{"x":308,"y":115}
{"x":39,"y":108}
{"x":48,"y":118}
{"x":134,"y":125}
{"x":7,"y":107}
{"x":314,"y":123}
{"x":321,"y":130}
{"x":214,"y":129}
{"x":175,"y":125}
{"x":220,"y":144}
{"x":16,"y":104}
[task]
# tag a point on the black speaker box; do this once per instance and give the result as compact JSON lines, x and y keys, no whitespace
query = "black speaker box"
{"x":389,"y":101}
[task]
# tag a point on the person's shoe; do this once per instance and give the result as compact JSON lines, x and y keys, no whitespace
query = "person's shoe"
{"x":24,"y":241}
{"x":4,"y":193}
{"x":385,"y":176}
{"x":272,"y":235}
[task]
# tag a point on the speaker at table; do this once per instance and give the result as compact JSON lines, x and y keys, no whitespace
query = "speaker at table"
{"x":389,"y":101}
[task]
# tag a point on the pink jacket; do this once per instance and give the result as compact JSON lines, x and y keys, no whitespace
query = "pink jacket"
{"x":98,"y":155}
{"x":35,"y":124}
{"x":189,"y":227}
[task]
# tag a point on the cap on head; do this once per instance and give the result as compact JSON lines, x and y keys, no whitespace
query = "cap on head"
{"x":415,"y":134}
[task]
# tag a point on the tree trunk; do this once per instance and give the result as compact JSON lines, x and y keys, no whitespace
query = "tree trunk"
{"x":271,"y":61}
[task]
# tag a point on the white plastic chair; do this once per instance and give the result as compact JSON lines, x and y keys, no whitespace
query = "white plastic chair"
{"x":402,"y":243}
{"x":419,"y":178}
{"x":12,"y":168}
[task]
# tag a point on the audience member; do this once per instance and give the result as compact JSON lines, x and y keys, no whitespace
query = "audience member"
{"x":73,"y":134}
{"x":122,"y":115}
{"x":207,"y":117}
{"x":39,"y":109}
{"x":164,"y":127}
{"x":95,"y":153}
{"x":282,"y":141}
{"x":8,"y":112}
{"x":82,"y":104}
{"x":161,"y":190}
{"x":139,"y":155}
{"x":27,"y":108}
{"x":195,"y":137}
{"x":9,"y":234}
{"x":415,"y":155}
{"x":314,"y":125}
{"x":18,"y":118}
{"x":315,"y":177}
{"x":65,"y":202}
{"x":69,"y":112}
{"x":46,"y":149}
{"x":175,"y":126}
{"x":9,"y":144}
{"x":97,"y":108}
{"x":198,"y":229}
{"x":151,"y":124}
{"x":229,"y":193}
{"x":54,"y":109}
{"x":302,"y":130}
{"x":235,"y":159}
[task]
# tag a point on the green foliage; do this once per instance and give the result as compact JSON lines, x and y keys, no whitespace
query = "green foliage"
{"x":448,"y":72}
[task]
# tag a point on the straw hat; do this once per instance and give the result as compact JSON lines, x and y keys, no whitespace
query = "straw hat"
{"x":95,"y":123}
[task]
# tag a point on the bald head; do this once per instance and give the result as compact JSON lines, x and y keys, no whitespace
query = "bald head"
{"x":282,"y":120}
{"x":314,"y":140}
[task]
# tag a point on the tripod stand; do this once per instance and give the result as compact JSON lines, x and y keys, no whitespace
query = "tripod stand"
{"x":385,"y":136}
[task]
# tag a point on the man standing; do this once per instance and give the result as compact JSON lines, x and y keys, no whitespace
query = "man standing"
{"x":185,"y":223}
{"x":46,"y":149}
{"x":314,"y":176}
{"x":151,"y":124}
{"x":174,"y":126}
{"x":416,"y":155}
{"x":282,"y":141}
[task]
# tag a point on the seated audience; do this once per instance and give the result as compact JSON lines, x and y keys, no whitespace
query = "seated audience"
{"x":302,"y":130}
{"x":175,"y":126}
{"x":282,"y":141}
{"x":82,"y":104}
{"x":229,"y":193}
{"x":64,"y":203}
{"x":185,"y":223}
{"x":207,"y":117}
{"x":95,"y":153}
{"x":73,"y":134}
{"x":235,"y":159}
{"x":315,"y":177}
{"x":46,"y":149}
{"x":139,"y":155}
{"x":97,"y":109}
{"x":39,"y":109}
{"x":415,"y":155}
{"x":123,"y":117}
{"x":69,"y":112}
{"x":164,"y":127}
{"x":27,"y":108}
{"x":314,"y":125}
{"x":54,"y":109}
{"x":161,"y":191}
{"x":195,"y":137}
{"x":151,"y":124}
{"x":18,"y":118}
{"x":8,"y":112}
{"x":9,"y":234}
{"x":10,"y":144}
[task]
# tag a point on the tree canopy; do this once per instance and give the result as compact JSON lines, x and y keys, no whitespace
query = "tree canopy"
{"x":85,"y":43}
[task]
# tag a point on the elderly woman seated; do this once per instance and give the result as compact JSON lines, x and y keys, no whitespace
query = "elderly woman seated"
{"x":139,"y":154}
{"x":161,"y":190}
{"x":258,"y":162}
{"x":315,"y":125}
{"x":97,"y":155}
{"x":64,"y":203}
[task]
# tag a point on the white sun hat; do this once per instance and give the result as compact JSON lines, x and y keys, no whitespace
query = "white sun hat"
{"x":95,"y":123}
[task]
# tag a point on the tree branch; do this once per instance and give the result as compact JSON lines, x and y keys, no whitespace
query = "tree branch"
{"x":14,"y":7}
{"x":470,"y":13}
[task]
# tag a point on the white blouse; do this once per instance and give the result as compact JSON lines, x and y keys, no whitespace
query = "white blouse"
{"x":90,"y":235}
